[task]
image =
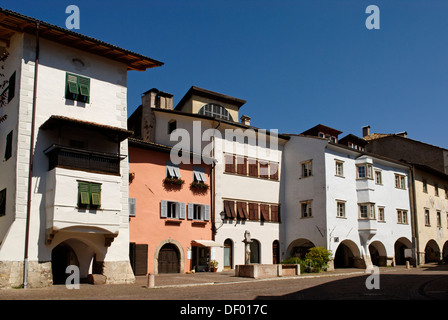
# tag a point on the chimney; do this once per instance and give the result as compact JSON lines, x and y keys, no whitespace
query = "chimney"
{"x":153,"y":99}
{"x":245,"y":120}
{"x":403,"y":134}
{"x":365,"y":131}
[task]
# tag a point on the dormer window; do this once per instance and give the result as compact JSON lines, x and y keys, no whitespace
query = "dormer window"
{"x":216,"y":111}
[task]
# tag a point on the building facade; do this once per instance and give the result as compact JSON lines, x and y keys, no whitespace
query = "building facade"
{"x":170,"y":222}
{"x":64,"y":178}
{"x":353,"y":203}
{"x":246,"y":179}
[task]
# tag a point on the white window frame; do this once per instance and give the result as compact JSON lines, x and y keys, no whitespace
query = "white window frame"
{"x":307,"y":168}
{"x":369,"y":212}
{"x":308,"y":212}
{"x":400,"y":181}
{"x":381,"y":214}
{"x":368,"y":171}
{"x":199,"y":174}
{"x":172,"y":170}
{"x":339,"y":168}
{"x":340,"y":209}
{"x":427,"y":217}
{"x":172,"y":209}
{"x":402,"y":216}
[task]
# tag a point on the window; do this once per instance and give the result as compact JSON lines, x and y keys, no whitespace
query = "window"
{"x":378,"y":177}
{"x":427,"y":218}
{"x":199,"y":212}
{"x":439,"y":219}
{"x":307,"y":168}
{"x":364,"y":171}
{"x":132,"y":207}
{"x":273,"y":170}
{"x":172,"y":170}
{"x":8,"y":148}
{"x":172,"y":125}
{"x":241,"y":165}
{"x":339,"y":167}
{"x":3,"y":202}
{"x":366,"y":211}
{"x":241,"y":210}
{"x":425,"y":186}
{"x":306,"y":209}
{"x":340,"y":209}
{"x":381,"y":216}
{"x":216,"y":111}
{"x":253,"y":167}
{"x":199,"y":175}
{"x":77,"y":88}
{"x":400,"y":181}
{"x":9,"y":91}
{"x":402,"y":216}
{"x":89,"y":195}
{"x":264,"y":169}
{"x":275,"y":213}
{"x":436,"y":190}
{"x":172,"y":209}
{"x":229,"y":163}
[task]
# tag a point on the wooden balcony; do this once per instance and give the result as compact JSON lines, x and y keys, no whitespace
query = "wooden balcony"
{"x":79,"y":159}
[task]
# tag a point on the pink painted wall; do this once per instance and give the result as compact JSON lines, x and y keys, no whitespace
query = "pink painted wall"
{"x":148,"y":188}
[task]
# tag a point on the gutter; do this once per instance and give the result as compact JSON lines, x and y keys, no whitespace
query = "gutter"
{"x":31,"y":155}
{"x":414,"y":217}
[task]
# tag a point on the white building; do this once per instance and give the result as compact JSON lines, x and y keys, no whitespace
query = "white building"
{"x":245,"y":192}
{"x":351,"y":202}
{"x":67,"y":112}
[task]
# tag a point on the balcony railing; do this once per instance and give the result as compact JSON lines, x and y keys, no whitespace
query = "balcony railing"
{"x":78,"y":159}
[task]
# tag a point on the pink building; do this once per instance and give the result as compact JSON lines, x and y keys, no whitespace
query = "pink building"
{"x":170,"y":212}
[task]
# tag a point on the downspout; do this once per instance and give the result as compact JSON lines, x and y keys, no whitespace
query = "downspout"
{"x":30,"y":170}
{"x":212,"y":188}
{"x":415,"y":238}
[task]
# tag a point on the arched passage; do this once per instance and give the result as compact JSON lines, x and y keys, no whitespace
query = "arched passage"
{"x":378,"y":254}
{"x":347,"y":255}
{"x":275,"y":252}
{"x":400,"y":250}
{"x":62,"y":256}
{"x":432,"y":252}
{"x":299,"y":248}
{"x":445,"y":252}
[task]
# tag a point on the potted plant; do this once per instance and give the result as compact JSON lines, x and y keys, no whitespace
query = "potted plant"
{"x":199,"y":187}
{"x":173,"y":181}
{"x":213,"y":265}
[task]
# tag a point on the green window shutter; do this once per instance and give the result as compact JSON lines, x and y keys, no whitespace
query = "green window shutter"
{"x":83,"y":194}
{"x":95,"y":191}
{"x":84,"y":89}
{"x":72,"y":84}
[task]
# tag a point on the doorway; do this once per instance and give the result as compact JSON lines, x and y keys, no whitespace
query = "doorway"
{"x":228,"y":254}
{"x":169,"y":259}
{"x":62,"y":256}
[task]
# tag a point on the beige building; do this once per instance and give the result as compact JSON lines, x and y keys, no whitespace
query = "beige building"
{"x":430,"y":189}
{"x":431,"y":206}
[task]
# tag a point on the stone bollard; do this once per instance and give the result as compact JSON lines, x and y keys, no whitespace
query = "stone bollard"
{"x":408,"y":265}
{"x":151,"y":281}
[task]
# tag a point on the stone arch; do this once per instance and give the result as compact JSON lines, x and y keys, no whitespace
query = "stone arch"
{"x":348,"y":255}
{"x":400,"y":246}
{"x":445,"y":252}
{"x":181,"y":255}
{"x":432,"y":252}
{"x":299,"y":248}
{"x":378,"y":253}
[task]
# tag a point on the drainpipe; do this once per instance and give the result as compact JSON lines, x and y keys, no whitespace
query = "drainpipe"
{"x":212,"y":188}
{"x":414,"y":221}
{"x":30,"y":170}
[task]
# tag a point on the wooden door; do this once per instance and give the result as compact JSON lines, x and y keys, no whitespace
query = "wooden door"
{"x":169,"y":259}
{"x":138,"y":255}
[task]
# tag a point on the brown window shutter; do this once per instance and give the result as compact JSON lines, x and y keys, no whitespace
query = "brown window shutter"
{"x":253,"y":167}
{"x":229,"y":209}
{"x":275,"y":213}
{"x":273,"y":171}
{"x":229,"y":163}
{"x":241,"y":163}
{"x":264,"y":170}
{"x":253,"y":211}
{"x":242,"y":210}
{"x":265,"y":212}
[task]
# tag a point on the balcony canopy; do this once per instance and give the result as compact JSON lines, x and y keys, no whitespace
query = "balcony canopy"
{"x":113,"y":133}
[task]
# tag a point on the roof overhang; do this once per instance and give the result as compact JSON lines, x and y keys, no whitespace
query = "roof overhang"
{"x":114,"y":133}
{"x":11,"y":22}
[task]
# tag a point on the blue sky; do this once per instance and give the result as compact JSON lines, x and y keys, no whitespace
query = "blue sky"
{"x":297,"y":63}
